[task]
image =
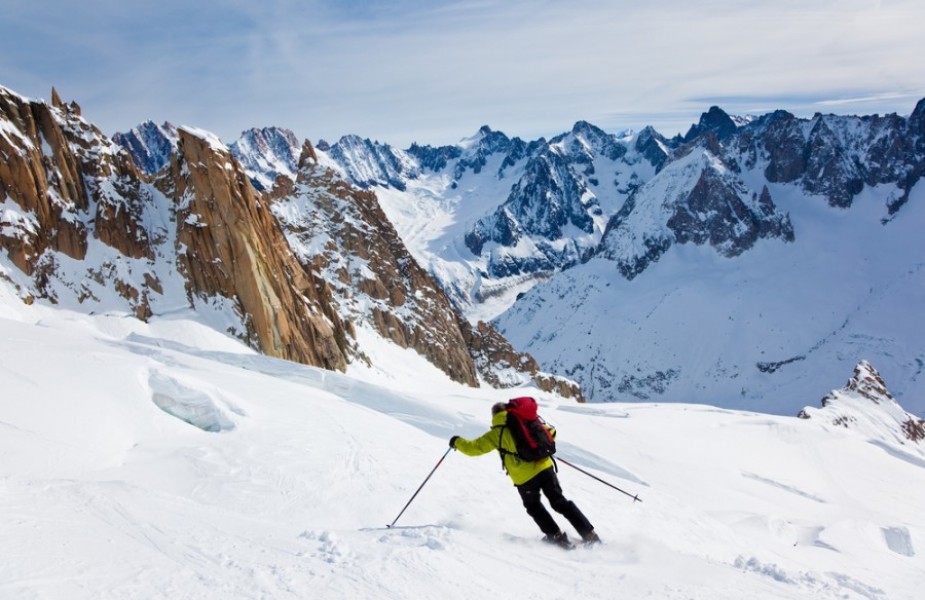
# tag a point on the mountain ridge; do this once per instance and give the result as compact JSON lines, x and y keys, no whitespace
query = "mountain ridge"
{"x":514,"y":221}
{"x":83,"y":227}
{"x":516,"y":214}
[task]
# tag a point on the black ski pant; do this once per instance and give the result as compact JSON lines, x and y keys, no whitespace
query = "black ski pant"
{"x":547,"y":482}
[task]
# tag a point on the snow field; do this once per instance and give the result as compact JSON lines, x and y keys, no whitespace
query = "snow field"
{"x":107,"y":495}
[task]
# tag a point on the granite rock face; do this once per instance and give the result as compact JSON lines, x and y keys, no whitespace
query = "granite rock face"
{"x":340,"y":232}
{"x":232,"y":246}
{"x":80,"y":220}
{"x":63,"y":185}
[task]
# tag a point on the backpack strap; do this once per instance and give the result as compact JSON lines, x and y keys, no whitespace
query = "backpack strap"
{"x":502,"y":452}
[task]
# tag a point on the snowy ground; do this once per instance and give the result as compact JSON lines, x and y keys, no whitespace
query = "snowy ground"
{"x":284,"y":486}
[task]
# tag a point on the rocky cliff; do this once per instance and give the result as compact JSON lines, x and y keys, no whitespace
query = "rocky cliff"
{"x":230,"y":245}
{"x":79,"y":222}
{"x":341,"y":232}
{"x":65,"y":186}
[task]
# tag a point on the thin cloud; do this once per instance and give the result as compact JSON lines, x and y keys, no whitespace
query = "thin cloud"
{"x":433,"y":72}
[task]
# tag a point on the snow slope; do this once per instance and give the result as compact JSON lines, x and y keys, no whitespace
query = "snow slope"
{"x":283,"y":485}
{"x":769,"y":330}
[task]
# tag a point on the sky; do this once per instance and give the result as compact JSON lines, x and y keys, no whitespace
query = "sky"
{"x":434,"y":71}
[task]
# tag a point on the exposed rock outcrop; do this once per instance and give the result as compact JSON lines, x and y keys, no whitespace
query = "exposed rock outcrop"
{"x":68,"y":184}
{"x":42,"y":176}
{"x":341,"y":232}
{"x":502,"y":366}
{"x":866,"y":405}
{"x":232,"y":246}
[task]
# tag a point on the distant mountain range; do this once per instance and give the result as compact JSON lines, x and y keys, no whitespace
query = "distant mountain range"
{"x":747,"y":263}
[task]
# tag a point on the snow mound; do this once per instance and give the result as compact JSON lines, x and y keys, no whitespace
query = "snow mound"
{"x":188,"y":404}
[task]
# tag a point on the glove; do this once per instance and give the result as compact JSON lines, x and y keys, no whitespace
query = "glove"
{"x":453,"y":441}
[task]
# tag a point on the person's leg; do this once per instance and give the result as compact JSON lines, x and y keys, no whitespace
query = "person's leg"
{"x":549,"y":483}
{"x":530,"y":494}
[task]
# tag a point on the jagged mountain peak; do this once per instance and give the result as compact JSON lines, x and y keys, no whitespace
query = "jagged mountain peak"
{"x":266,"y":154}
{"x":368,"y":163}
{"x":56,"y":102}
{"x":484,"y":138}
{"x":473,"y":153}
{"x":434,"y":159}
{"x":917,"y":122}
{"x":585,"y":130}
{"x":696,"y":199}
{"x":715,"y":120}
{"x":149,"y":144}
{"x":269,"y":133}
{"x":203,"y":135}
{"x":919,"y":110}
{"x":586,"y":141}
{"x":867,"y":382}
{"x":653,"y":146}
{"x":867,"y":406}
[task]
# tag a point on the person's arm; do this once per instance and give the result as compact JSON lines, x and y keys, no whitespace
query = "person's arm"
{"x":483,"y":444}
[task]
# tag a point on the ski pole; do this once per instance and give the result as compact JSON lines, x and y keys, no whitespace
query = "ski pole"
{"x":635,"y":498}
{"x":419,"y":488}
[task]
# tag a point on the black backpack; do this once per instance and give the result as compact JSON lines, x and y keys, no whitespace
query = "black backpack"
{"x":532,"y":437}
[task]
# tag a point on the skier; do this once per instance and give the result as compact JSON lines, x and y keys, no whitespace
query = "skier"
{"x":530,"y":478}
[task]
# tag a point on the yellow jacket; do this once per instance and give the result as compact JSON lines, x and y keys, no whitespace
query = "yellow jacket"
{"x":498,"y":437}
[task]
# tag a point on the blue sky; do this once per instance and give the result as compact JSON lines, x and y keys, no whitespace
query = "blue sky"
{"x":435,"y":71}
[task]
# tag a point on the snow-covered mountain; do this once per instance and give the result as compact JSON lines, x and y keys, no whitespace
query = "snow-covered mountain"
{"x":696,"y":199}
{"x":83,"y":228}
{"x":151,"y":145}
{"x":366,"y":163}
{"x":267,"y":154}
{"x":744,"y":258}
